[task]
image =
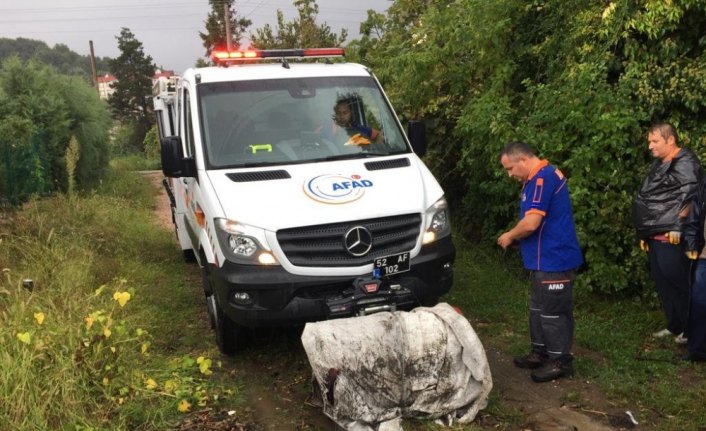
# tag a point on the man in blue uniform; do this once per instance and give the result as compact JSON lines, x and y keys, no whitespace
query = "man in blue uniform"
{"x":550,"y":250}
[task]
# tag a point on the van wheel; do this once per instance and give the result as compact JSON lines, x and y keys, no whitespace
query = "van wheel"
{"x":231,"y":338}
{"x":211,"y":305}
{"x":208,"y":292}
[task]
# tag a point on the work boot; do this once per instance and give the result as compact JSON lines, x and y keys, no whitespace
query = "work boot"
{"x":532,"y":360}
{"x":554,"y":369}
{"x":662,"y":333}
{"x":681,"y":339}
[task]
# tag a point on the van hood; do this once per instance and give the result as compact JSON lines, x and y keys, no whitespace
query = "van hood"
{"x":280,"y":197}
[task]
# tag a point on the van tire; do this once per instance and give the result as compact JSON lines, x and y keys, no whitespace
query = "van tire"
{"x":231,"y":338}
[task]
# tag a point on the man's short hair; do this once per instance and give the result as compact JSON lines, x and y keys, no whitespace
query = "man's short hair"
{"x":515,"y":149}
{"x":665,"y":130}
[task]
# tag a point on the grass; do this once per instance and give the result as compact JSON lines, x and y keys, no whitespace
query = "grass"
{"x":100,"y":341}
{"x":613,"y":345}
{"x":136,"y":162}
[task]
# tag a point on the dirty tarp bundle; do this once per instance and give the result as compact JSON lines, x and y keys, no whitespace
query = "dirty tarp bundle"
{"x":372,"y":371}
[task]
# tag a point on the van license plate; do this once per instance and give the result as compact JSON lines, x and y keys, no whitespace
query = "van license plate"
{"x":392,"y":264}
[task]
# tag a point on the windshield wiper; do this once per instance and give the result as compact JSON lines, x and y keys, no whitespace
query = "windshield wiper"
{"x":362,"y":155}
{"x":253,"y":165}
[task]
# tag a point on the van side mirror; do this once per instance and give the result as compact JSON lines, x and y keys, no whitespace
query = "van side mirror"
{"x":173,"y":162}
{"x":417,"y":134}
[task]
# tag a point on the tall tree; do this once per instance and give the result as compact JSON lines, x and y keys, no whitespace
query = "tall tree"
{"x":372,"y":30}
{"x":215,"y":35}
{"x":302,"y":32}
{"x":134,"y":71}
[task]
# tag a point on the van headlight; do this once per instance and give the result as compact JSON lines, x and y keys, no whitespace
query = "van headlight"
{"x":439,"y":225}
{"x":238,"y":246}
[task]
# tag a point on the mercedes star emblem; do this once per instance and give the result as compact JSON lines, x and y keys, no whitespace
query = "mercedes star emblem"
{"x":358,"y":241}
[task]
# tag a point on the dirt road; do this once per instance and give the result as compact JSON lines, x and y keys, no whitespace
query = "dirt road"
{"x":276,"y":374}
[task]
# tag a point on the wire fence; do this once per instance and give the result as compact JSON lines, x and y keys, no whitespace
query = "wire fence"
{"x":25,"y":170}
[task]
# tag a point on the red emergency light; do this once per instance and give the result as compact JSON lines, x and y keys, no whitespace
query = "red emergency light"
{"x":234,"y":55}
{"x":221,"y":56}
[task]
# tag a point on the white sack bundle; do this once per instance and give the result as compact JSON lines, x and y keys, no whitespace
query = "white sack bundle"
{"x":374,"y":370}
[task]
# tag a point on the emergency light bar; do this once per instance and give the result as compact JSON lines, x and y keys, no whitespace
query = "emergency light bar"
{"x":227,"y":56}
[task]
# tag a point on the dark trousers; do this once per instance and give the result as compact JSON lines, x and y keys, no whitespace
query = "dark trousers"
{"x":696,"y":331}
{"x":551,"y":317}
{"x":670,"y":269}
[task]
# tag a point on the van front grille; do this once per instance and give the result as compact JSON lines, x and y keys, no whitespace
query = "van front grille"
{"x":324,"y":245}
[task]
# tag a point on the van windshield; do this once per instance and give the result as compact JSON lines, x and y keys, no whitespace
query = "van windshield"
{"x":283,"y":121}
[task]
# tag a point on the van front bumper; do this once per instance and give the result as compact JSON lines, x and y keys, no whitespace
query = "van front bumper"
{"x":276,"y":297}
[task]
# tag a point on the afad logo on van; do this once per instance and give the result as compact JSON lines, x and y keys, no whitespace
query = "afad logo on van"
{"x":336,"y":188}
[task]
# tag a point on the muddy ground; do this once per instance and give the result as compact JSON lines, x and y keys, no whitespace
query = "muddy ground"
{"x":276,"y":382}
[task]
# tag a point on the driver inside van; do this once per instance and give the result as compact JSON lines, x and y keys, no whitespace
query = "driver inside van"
{"x":357,"y":134}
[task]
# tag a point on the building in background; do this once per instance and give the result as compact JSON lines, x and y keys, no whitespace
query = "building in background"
{"x":105,"y":90}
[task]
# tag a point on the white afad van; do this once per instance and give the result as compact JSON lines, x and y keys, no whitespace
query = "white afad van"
{"x":295,"y":188}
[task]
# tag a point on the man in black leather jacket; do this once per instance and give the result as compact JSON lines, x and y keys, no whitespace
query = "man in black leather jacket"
{"x":660,"y":209}
{"x":694,"y":240}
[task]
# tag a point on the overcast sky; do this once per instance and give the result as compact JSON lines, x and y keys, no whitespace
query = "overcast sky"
{"x":168,"y":29}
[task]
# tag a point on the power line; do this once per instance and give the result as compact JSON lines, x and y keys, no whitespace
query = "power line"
{"x":34,"y":20}
{"x":162,"y":6}
{"x":71,"y":9}
{"x":255,"y":9}
{"x":105,"y":30}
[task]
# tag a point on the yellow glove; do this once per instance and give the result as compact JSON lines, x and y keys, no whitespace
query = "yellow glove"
{"x":674,"y":237}
{"x":692,"y":254}
{"x":644,"y":246}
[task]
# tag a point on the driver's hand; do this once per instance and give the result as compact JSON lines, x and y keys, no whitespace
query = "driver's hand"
{"x":674,"y":237}
{"x":692,"y":254}
{"x":358,"y":139}
{"x":644,"y":246}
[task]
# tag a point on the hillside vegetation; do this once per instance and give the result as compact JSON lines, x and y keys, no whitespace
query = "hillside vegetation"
{"x":62,"y":59}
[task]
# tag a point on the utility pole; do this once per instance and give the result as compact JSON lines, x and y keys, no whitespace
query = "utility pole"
{"x":226,"y":15}
{"x":93,"y":68}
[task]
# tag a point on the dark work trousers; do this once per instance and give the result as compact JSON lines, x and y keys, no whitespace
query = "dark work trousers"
{"x":552,"y":312}
{"x":696,"y":331}
{"x":670,"y":270}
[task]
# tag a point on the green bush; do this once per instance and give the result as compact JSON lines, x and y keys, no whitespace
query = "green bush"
{"x":582,"y":82}
{"x":129,"y":138}
{"x":90,"y":122}
{"x":39,"y":113}
{"x":152,"y":145}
